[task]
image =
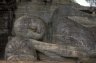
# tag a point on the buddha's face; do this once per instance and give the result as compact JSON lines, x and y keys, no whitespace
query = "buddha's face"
{"x":30,"y":27}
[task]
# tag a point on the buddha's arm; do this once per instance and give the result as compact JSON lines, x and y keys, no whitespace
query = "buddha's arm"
{"x":56,"y":48}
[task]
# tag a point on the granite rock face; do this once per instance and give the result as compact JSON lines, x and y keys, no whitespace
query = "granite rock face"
{"x":67,"y":38}
{"x":20,"y":49}
{"x":66,"y":32}
{"x":30,"y":27}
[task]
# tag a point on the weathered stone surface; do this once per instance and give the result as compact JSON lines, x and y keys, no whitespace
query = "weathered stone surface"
{"x":87,"y":21}
{"x":56,"y":49}
{"x":30,"y":27}
{"x":25,"y":28}
{"x":67,"y":61}
{"x":71,"y":39}
{"x":69,"y":33}
{"x":20,"y":49}
{"x":25,"y":49}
